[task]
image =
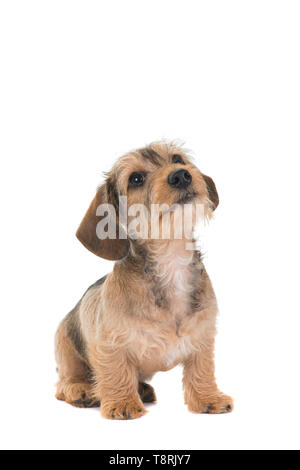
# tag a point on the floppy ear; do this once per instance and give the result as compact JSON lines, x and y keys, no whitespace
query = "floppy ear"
{"x":111,"y":249}
{"x":212,"y":191}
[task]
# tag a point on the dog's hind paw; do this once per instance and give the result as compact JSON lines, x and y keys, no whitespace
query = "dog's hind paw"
{"x":76,"y":394}
{"x":86,"y":402}
{"x":147,"y":393}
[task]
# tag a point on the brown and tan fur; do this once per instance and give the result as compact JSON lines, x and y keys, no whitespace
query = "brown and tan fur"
{"x":157,"y":309}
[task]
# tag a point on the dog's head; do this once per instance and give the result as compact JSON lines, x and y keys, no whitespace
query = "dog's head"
{"x":161,"y":176}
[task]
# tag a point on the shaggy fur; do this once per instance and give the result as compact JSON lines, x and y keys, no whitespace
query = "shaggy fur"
{"x":155,"y":310}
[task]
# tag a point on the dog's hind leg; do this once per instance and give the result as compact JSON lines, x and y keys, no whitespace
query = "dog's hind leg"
{"x":74,"y":385}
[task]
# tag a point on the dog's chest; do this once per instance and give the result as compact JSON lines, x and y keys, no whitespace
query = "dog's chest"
{"x":172,"y":283}
{"x":160,"y":347}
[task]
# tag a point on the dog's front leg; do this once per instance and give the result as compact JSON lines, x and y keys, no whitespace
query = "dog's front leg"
{"x":200,"y":389}
{"x":116,"y":384}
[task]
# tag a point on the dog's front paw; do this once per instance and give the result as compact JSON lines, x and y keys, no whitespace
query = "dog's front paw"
{"x":211,"y":404}
{"x":127,"y":409}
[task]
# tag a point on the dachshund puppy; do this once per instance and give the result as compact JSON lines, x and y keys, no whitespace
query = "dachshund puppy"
{"x":157,"y":309}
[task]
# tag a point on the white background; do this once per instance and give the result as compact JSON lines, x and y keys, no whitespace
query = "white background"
{"x":82,"y":82}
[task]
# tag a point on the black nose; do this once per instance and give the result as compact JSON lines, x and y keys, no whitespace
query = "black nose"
{"x":180,"y":179}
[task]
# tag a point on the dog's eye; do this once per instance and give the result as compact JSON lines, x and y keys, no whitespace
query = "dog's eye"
{"x":137,"y":179}
{"x":177,"y":159}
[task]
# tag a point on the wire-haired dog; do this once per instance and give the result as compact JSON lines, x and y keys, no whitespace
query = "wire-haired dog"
{"x":156,"y":309}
